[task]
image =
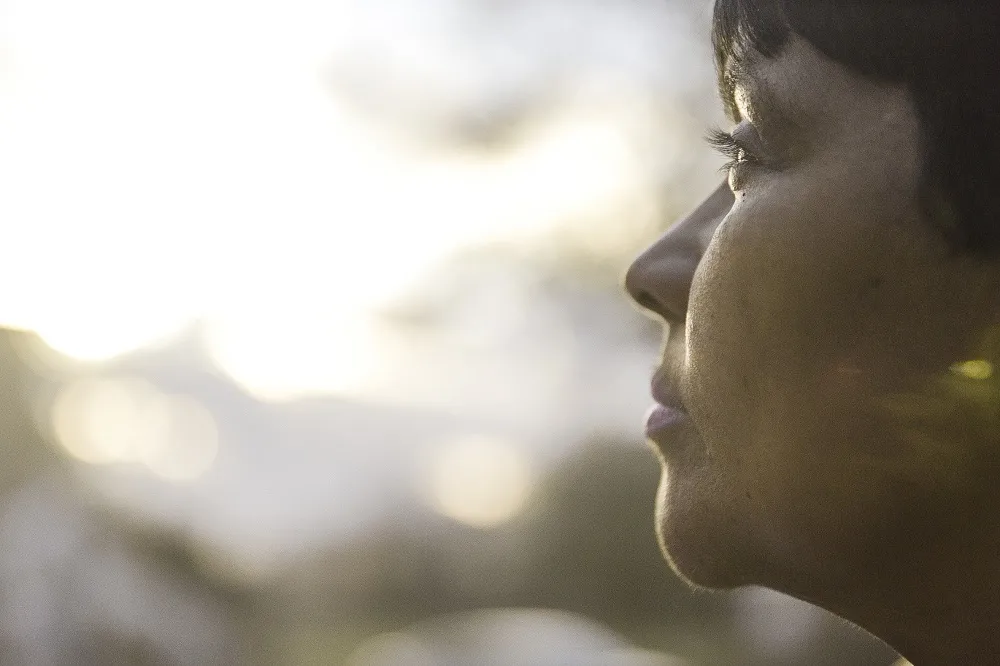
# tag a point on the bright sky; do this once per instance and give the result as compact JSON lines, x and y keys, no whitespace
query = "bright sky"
{"x":161,"y":161}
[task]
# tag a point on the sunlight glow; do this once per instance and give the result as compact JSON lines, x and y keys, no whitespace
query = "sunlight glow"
{"x":102,"y":336}
{"x":105,"y":421}
{"x":480,"y":481}
{"x":148,"y":186}
{"x":277,"y":359}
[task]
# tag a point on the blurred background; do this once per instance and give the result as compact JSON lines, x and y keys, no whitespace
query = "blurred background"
{"x":313,"y":348}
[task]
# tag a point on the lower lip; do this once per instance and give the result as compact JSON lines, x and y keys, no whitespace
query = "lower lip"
{"x":660,"y":419}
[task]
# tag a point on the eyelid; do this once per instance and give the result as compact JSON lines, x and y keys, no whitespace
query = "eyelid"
{"x":747,"y":136}
{"x":741,"y":153}
{"x":733,"y":146}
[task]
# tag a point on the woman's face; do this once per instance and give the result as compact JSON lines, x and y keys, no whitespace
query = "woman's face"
{"x":813,"y":311}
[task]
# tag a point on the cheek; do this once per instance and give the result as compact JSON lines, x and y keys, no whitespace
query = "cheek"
{"x":774,"y":305}
{"x":791,"y":308}
{"x":802,"y":260}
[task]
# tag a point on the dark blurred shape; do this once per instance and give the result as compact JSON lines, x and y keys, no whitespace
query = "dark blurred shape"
{"x":79,"y":585}
{"x":23,"y":453}
{"x":594,"y":525}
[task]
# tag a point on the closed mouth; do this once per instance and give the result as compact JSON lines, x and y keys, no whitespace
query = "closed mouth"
{"x":666,"y":392}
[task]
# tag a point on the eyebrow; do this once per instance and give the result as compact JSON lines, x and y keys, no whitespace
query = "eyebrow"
{"x":738,"y":77}
{"x":734,"y":75}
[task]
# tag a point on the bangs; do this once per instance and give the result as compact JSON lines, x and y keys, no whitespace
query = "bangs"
{"x":740,"y":29}
{"x":947,"y":54}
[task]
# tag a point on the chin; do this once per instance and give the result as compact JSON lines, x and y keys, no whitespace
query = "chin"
{"x":696,"y":543}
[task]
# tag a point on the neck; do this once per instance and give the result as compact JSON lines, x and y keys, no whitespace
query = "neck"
{"x":940,"y":629}
{"x":939,"y":609}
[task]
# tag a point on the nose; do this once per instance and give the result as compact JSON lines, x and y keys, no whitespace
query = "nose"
{"x":659,"y":280}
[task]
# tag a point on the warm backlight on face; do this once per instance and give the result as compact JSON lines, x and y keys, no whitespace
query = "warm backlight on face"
{"x":480,"y":481}
{"x":109,"y":421}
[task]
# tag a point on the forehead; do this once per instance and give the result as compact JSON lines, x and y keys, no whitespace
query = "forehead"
{"x":801,"y":86}
{"x":747,"y":87}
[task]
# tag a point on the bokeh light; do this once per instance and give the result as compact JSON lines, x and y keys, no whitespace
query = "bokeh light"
{"x":188,"y":445}
{"x":119,"y":420}
{"x":979,"y":369}
{"x":480,"y":481}
{"x":395,"y":649}
{"x":276,"y":256}
{"x":102,"y":421}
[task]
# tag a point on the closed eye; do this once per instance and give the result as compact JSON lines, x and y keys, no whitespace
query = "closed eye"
{"x":730,"y":147}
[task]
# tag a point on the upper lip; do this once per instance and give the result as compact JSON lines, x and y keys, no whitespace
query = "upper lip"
{"x":666,"y":391}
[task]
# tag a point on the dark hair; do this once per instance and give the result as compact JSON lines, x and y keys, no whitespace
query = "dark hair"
{"x":944,"y":51}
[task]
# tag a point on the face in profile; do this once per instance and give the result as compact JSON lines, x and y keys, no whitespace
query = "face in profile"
{"x":822,"y":430}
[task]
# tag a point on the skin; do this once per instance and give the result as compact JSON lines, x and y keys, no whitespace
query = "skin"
{"x":815,"y":316}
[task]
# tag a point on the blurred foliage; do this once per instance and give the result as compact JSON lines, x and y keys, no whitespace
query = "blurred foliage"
{"x":585,"y":545}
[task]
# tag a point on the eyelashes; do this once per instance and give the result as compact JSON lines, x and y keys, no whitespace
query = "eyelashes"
{"x":731,"y":148}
